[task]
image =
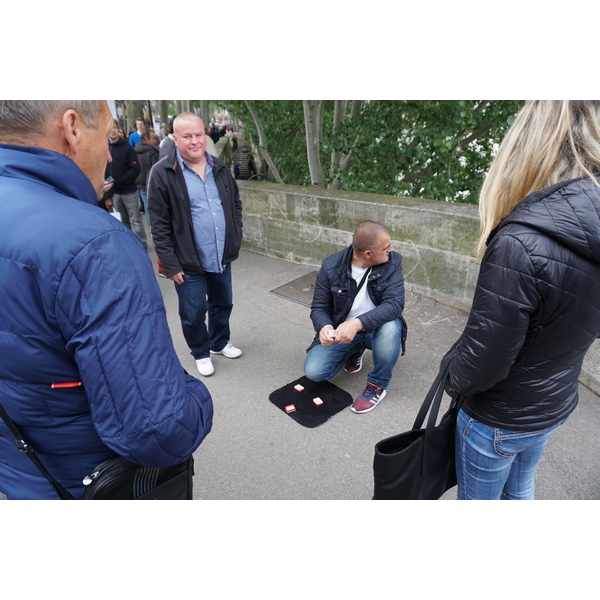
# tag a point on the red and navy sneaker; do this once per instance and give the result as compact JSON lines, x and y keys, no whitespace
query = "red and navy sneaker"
{"x":369,"y":399}
{"x":354,"y":366}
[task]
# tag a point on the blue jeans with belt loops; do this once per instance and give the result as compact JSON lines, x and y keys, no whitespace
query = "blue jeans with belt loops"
{"x":199,"y":295}
{"x":323,"y":362}
{"x":497,"y":464}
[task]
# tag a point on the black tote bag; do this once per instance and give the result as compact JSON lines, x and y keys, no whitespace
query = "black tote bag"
{"x":419,"y":464}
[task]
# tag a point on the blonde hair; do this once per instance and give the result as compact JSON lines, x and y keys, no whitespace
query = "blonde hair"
{"x":549,"y":142}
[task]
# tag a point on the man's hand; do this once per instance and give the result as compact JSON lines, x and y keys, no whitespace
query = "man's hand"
{"x":109,"y":203}
{"x":177,"y":278}
{"x":347,"y":330}
{"x":107,"y":186}
{"x":324,"y":336}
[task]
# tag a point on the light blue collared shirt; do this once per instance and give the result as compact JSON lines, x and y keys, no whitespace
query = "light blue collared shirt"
{"x":208,"y":218}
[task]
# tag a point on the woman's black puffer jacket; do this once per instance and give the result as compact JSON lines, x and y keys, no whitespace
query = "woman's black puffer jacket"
{"x":535,"y":312}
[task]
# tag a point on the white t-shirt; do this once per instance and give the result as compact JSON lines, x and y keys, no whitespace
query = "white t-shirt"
{"x":362,"y":303}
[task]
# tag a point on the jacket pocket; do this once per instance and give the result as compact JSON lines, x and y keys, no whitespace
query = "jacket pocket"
{"x":340,"y":299}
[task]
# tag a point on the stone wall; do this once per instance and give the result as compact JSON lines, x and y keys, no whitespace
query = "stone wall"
{"x":436,"y":239}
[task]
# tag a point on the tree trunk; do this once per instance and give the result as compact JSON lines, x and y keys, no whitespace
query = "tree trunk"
{"x":346,"y":161}
{"x":262,"y":143}
{"x":163,"y":109}
{"x":179,"y":105}
{"x":204,"y":111}
{"x":339,"y":112}
{"x":313,"y":136}
{"x":135,"y":109}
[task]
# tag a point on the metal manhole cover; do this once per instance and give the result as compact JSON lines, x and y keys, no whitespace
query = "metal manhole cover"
{"x":300,"y":290}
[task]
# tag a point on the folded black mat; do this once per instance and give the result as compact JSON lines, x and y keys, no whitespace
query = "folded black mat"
{"x":307,"y":413}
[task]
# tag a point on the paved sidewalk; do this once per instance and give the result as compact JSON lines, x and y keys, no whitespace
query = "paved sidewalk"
{"x":255,"y":451}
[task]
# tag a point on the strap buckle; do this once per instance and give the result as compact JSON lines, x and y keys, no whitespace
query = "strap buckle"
{"x":22,"y":445}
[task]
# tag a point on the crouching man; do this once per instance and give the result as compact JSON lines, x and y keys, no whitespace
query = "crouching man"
{"x":357,"y":305}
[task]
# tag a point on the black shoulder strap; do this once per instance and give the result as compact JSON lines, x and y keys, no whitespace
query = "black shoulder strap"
{"x":23,"y":446}
{"x":362,"y":282}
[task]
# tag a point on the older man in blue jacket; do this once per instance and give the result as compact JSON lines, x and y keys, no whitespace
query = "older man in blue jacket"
{"x":357,"y":304}
{"x":88,"y":367}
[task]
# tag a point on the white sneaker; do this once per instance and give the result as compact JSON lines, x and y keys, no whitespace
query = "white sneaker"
{"x":229,"y":351}
{"x":205,"y":366}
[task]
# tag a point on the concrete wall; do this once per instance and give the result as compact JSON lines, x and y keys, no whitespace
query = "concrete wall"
{"x":303,"y":225}
{"x":436,"y":239}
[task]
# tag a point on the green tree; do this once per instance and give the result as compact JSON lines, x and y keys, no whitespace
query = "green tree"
{"x":422,"y":148}
{"x":262,"y":142}
{"x":283,"y":125}
{"x":431,"y":149}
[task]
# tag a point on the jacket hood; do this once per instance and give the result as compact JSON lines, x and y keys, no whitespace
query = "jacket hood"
{"x":142,"y":148}
{"x":119,"y":142}
{"x":49,"y":168}
{"x":568,"y":212}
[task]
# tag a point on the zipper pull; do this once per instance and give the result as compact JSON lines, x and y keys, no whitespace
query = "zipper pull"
{"x":90,"y":478}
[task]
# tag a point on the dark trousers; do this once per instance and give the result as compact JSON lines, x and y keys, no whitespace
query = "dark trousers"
{"x":210,"y":293}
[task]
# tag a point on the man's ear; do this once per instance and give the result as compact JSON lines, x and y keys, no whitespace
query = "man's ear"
{"x":71,"y":132}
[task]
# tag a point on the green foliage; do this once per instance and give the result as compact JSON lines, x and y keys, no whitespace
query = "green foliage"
{"x":430,"y":149}
{"x":422,"y":148}
{"x":283,"y":126}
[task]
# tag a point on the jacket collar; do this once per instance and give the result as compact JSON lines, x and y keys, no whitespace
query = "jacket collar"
{"x":375,"y":269}
{"x":48,"y":168}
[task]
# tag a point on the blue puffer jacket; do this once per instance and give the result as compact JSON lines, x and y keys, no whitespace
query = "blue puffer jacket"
{"x":80,"y":302}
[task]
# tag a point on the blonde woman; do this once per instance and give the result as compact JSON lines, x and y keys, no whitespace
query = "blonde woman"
{"x":536,"y":308}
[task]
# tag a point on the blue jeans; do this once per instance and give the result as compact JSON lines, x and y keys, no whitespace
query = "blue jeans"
{"x":142,"y":192}
{"x":323,"y":362}
{"x":199,"y":294}
{"x":494,"y":464}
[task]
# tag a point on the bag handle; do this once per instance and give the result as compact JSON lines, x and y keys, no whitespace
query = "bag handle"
{"x":435,"y":393}
{"x":23,"y":446}
{"x":433,"y":400}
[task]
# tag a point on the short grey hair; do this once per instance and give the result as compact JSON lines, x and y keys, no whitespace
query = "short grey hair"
{"x":30,"y":118}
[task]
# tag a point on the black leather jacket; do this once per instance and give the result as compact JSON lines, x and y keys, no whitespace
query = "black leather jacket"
{"x":535,"y":313}
{"x":171,"y":217}
{"x":335,"y":290}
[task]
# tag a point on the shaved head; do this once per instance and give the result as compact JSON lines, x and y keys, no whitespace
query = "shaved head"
{"x":187,"y":117}
{"x":371,"y":244}
{"x":190,"y":138}
{"x":366,"y":236}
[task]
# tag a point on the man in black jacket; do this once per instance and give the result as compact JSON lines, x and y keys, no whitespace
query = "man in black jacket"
{"x":357,"y":304}
{"x":196,"y":221}
{"x":124,"y":170}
